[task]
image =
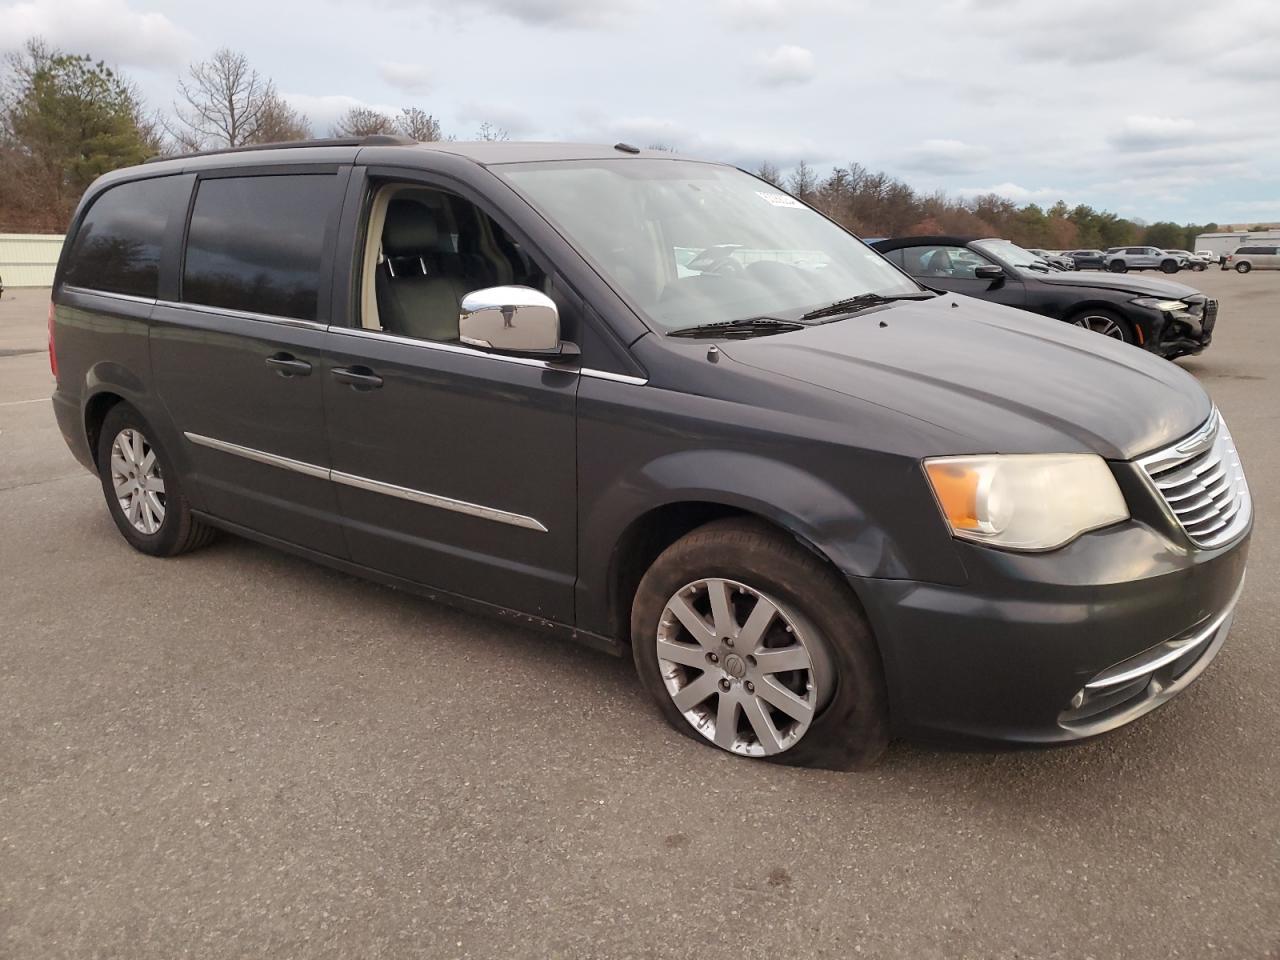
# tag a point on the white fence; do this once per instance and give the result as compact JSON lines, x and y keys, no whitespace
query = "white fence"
{"x":28,"y":259}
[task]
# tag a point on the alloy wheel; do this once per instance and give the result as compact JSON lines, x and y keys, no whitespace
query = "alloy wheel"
{"x":136,"y":479}
{"x":745,"y":671}
{"x":1099,"y":324}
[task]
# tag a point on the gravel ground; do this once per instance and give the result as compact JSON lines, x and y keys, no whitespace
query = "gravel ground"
{"x":237,"y":753}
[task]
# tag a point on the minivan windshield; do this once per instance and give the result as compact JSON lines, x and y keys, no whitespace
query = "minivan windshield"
{"x":697,"y":243}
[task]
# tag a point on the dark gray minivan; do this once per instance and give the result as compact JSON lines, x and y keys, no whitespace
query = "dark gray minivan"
{"x":653,"y":403}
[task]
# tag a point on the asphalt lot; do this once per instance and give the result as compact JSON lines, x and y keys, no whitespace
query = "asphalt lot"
{"x":237,"y":753}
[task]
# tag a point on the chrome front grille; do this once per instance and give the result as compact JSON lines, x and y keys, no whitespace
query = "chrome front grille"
{"x":1201,"y":482}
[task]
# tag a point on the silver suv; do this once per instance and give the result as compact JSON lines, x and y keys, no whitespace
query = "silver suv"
{"x":1124,"y":259}
{"x":1253,"y":258}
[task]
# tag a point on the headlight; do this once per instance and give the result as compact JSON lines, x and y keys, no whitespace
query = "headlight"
{"x":1168,"y":306}
{"x":1026,"y":501}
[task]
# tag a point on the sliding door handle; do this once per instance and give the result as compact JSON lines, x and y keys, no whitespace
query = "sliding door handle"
{"x":287,"y":365}
{"x":360,"y":378}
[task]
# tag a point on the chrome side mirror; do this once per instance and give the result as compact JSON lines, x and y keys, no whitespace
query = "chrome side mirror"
{"x":510,"y":319}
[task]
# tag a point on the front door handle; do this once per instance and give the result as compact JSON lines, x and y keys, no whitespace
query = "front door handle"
{"x":287,"y":365}
{"x":360,"y":378}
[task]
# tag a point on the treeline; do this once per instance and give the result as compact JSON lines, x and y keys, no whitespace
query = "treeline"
{"x":66,"y":119}
{"x":874,"y":204}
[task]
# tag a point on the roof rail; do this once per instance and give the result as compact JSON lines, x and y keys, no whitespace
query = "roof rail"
{"x":373,"y":140}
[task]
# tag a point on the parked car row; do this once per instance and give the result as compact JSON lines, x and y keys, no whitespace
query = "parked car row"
{"x":1125,"y":259}
{"x":818,"y":499}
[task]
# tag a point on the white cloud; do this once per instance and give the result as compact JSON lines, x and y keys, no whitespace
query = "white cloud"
{"x":1147,"y":132}
{"x":473,"y":113}
{"x":411,"y":78}
{"x":947,"y":157}
{"x":776,"y":13}
{"x":325,"y":110}
{"x":109,"y":30}
{"x":788,"y":64}
{"x":568,"y":13}
{"x":1016,"y":192}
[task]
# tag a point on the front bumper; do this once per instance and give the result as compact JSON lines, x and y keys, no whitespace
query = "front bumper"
{"x":1186,"y":332}
{"x":1005,"y":658}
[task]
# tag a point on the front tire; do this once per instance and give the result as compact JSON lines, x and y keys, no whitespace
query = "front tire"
{"x":143,"y":491}
{"x":1243,"y":267}
{"x":1169,"y":266}
{"x":750,"y":643}
{"x":1106,"y":322}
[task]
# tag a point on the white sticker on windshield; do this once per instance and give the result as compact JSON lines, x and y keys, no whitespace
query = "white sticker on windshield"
{"x":780,"y":199}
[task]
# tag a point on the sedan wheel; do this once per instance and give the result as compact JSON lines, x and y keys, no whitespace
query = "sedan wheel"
{"x":745,"y":671}
{"x":135,"y":476}
{"x":1101,"y":324}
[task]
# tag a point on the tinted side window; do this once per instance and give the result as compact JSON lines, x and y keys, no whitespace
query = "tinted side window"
{"x":256,"y":243}
{"x":117,"y":248}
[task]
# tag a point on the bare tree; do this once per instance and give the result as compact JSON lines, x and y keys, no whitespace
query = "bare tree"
{"x":363,"y":122}
{"x":803,"y":182}
{"x":417,"y":123}
{"x":767,"y":171}
{"x":280,"y":122}
{"x":489,"y":131}
{"x":224,"y":102}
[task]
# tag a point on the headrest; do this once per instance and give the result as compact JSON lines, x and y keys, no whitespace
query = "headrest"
{"x":410,"y":230}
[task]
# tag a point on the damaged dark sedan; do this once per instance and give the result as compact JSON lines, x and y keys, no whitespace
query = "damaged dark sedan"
{"x":1167,"y":318}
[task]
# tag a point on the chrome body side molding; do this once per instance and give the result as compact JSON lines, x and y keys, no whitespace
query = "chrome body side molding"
{"x":364,"y":483}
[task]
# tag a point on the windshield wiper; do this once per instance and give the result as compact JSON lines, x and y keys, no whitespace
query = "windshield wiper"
{"x":861,"y":302}
{"x":750,"y":327}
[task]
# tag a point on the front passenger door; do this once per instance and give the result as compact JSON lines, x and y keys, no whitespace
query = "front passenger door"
{"x":455,"y":468}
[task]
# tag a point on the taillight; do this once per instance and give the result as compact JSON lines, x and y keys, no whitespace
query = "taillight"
{"x":53,"y":350}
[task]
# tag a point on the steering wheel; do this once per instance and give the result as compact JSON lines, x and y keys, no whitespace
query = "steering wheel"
{"x":717,"y":261}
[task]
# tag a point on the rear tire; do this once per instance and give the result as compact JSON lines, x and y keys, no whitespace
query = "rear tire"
{"x":143,"y":491}
{"x":1118,"y":266}
{"x":1243,"y":267}
{"x":833,"y":712}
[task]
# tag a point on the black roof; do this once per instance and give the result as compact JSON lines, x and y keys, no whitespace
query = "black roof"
{"x":897,"y":243}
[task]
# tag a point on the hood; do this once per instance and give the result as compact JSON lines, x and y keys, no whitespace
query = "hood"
{"x":1124,"y":282}
{"x":1002,"y":380}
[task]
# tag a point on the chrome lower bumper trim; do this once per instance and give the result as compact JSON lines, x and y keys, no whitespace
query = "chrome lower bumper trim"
{"x":1159,"y":666}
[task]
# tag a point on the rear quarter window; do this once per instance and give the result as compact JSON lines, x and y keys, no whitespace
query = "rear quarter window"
{"x":118,"y":244}
{"x":257,"y":244}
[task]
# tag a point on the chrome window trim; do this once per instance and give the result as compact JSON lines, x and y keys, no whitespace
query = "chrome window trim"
{"x":242,"y":314}
{"x":447,"y":347}
{"x":613,"y":377}
{"x":127,"y":297}
{"x":364,"y":483}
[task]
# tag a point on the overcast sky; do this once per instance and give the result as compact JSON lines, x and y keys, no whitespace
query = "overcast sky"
{"x":1158,"y":110}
